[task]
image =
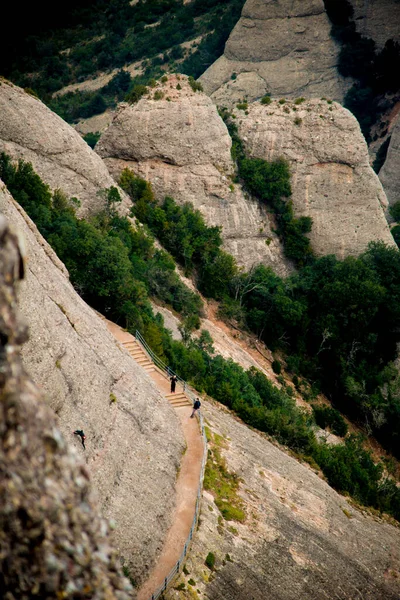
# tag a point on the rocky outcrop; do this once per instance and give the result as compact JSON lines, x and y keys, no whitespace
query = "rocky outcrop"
{"x":31,"y":131}
{"x":332,"y":181}
{"x":390,"y":172}
{"x":281,"y":47}
{"x":53,"y":542}
{"x":377,"y":19}
{"x":300,"y":539}
{"x":134,"y":441}
{"x":181,"y":145}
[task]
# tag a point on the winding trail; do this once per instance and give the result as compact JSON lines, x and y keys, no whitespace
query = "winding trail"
{"x":188,"y":477}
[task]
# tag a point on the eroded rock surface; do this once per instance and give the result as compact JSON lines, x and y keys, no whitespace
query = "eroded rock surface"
{"x":31,"y":131}
{"x":134,"y":441}
{"x":53,"y":542}
{"x":300,"y":538}
{"x":390,"y":172}
{"x":377,"y":19}
{"x":332,"y":181}
{"x":181,"y":145}
{"x":282,"y":47}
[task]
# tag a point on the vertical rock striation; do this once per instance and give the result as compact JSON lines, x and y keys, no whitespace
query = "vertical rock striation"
{"x":390,"y":172}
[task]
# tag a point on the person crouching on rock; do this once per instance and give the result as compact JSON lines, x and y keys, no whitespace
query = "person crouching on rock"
{"x":82,"y":436}
{"x":173,"y":381}
{"x":196,"y":407}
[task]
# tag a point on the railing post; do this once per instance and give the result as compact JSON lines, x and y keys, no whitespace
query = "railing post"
{"x":165,"y":583}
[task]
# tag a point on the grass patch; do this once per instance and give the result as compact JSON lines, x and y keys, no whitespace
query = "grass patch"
{"x":210,"y":561}
{"x":223,"y":484}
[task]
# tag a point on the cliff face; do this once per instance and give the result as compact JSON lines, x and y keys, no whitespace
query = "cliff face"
{"x":282,"y":47}
{"x":300,"y":539}
{"x":134,"y":441}
{"x":31,"y":131}
{"x":182,"y":147}
{"x":53,"y":542}
{"x":390,"y":172}
{"x":332,"y":181}
{"x":377,"y":19}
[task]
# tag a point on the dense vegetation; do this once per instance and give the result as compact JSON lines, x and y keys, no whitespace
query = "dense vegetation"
{"x":115,"y":267}
{"x":377,"y":73}
{"x":100,"y":35}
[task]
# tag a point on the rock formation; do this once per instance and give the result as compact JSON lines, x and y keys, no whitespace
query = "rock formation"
{"x":53,"y":542}
{"x":300,"y":539}
{"x":332,"y":181}
{"x":134,"y":441}
{"x":390,"y":172}
{"x":31,"y":131}
{"x":181,"y":145}
{"x":377,"y":19}
{"x":282,"y":47}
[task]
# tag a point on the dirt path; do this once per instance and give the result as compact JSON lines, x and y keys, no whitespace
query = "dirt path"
{"x":186,"y":485}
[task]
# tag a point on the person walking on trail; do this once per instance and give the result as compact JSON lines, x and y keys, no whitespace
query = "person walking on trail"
{"x":173,"y":381}
{"x":82,"y":436}
{"x":196,"y":407}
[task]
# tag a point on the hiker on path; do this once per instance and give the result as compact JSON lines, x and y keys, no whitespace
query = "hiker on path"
{"x":196,"y":407}
{"x":173,"y":381}
{"x":82,"y":436}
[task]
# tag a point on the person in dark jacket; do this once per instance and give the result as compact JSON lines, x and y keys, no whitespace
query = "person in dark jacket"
{"x":196,"y":407}
{"x":173,"y":381}
{"x":82,"y":436}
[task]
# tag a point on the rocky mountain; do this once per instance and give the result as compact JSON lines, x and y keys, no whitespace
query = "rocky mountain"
{"x":377,"y":19}
{"x":31,"y":131}
{"x":279,"y":47}
{"x":390,"y":172}
{"x":299,"y":539}
{"x":332,"y":181}
{"x":175,"y":139}
{"x":53,"y":542}
{"x":94,"y":385}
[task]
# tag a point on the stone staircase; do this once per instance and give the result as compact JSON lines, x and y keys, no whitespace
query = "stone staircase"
{"x":178,"y":398}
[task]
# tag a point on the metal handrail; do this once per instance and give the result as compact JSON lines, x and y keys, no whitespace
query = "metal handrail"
{"x":180,"y":562}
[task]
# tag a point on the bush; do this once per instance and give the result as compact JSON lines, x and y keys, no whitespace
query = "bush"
{"x":210,"y":561}
{"x":92,"y":138}
{"x":325,"y":416}
{"x":266,"y":99}
{"x":136,"y":93}
{"x":276,"y":367}
{"x":394,"y":210}
{"x":195,"y":85}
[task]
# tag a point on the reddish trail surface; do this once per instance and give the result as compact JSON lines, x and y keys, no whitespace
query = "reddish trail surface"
{"x":186,"y":485}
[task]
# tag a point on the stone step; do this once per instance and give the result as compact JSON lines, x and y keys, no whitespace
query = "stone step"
{"x":176,"y":395}
{"x":142,"y":359}
{"x":180,"y":404}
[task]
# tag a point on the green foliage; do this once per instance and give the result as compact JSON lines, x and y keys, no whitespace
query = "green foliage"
{"x":266,"y":99}
{"x":92,"y":138}
{"x":195,"y":85}
{"x":394,"y":210}
{"x":158,"y":95}
{"x":136,"y":93}
{"x":191,"y":582}
{"x":242,"y":106}
{"x":326,"y":416}
{"x":299,"y":100}
{"x":270,"y":182}
{"x":210,"y":561}
{"x":276,"y":367}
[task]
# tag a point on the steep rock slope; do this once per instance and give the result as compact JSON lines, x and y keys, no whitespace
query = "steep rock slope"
{"x":377,"y":19}
{"x":53,"y":542}
{"x":181,"y":145}
{"x":31,"y":131}
{"x":282,"y":47}
{"x":134,"y":441}
{"x":332,"y":181}
{"x":300,"y":539}
{"x":390,"y":172}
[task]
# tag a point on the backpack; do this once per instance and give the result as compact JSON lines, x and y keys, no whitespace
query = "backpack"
{"x":197,"y":404}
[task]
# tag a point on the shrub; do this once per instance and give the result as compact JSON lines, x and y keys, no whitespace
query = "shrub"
{"x":242,"y":106}
{"x":178,"y":87}
{"x":299,"y":100}
{"x":298,"y":121}
{"x":195,"y":85}
{"x":136,"y":93}
{"x":394,"y":210}
{"x":158,"y":95}
{"x":92,"y":138}
{"x":266,"y":99}
{"x":276,"y":367}
{"x":282,"y":101}
{"x":325,"y":416}
{"x":210,"y":561}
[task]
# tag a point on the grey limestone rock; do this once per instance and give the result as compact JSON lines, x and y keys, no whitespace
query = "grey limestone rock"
{"x":53,"y":541}
{"x":377,"y":19}
{"x":182,"y":147}
{"x":332,"y":180}
{"x":281,"y":47}
{"x":390,"y":172}
{"x":134,"y":441}
{"x":31,"y":131}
